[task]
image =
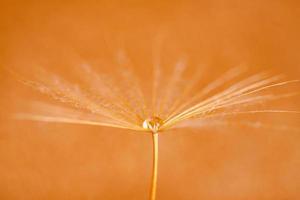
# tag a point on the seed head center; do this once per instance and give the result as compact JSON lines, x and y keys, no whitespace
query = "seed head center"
{"x":152,"y":124}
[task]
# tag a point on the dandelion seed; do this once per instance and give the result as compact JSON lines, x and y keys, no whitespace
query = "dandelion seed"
{"x":120,"y":103}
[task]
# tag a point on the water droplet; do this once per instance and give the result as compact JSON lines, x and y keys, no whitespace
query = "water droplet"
{"x":152,"y":124}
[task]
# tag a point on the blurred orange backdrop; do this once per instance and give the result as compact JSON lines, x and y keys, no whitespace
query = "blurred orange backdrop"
{"x":63,"y":161}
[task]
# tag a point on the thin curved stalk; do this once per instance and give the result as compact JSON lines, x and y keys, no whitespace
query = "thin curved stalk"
{"x":154,"y":165}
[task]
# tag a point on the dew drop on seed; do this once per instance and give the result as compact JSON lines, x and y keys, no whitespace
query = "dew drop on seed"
{"x":152,"y":124}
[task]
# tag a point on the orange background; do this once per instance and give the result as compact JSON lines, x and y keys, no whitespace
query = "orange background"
{"x":59,"y":161}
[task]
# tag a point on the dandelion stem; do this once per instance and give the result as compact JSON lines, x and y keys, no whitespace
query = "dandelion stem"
{"x":154,"y":165}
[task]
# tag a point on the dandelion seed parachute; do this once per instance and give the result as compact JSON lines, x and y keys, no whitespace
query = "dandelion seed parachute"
{"x":106,"y":102}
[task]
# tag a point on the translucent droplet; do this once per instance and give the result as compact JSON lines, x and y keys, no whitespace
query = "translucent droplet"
{"x":152,"y":124}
